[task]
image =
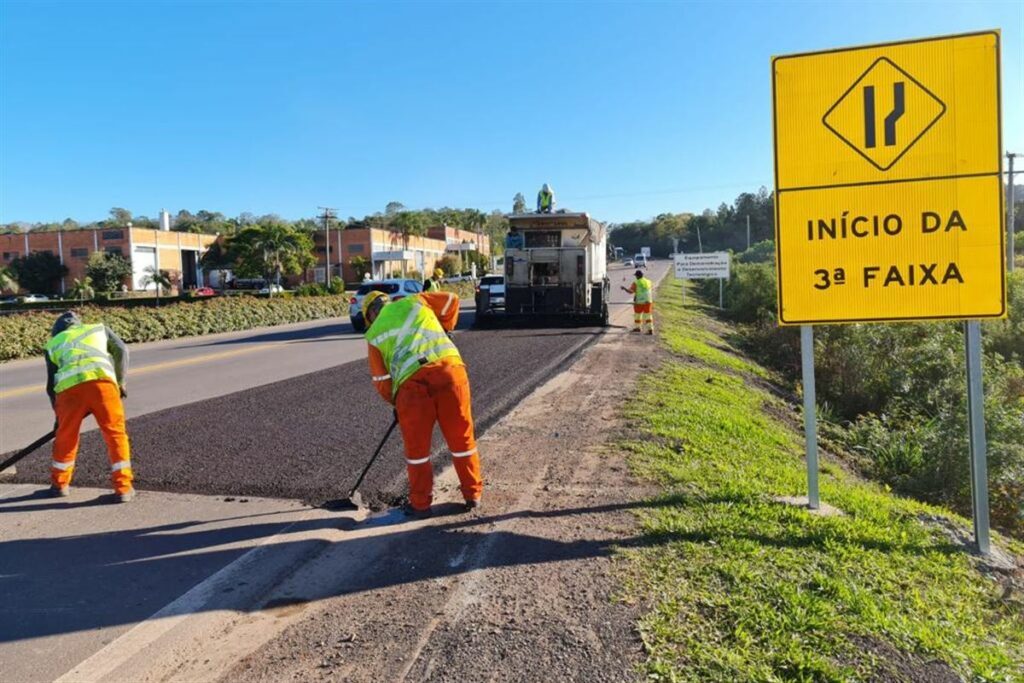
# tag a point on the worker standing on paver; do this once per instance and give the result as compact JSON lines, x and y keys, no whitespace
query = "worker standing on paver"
{"x":643,"y":302}
{"x":416,"y":367}
{"x":545,"y":199}
{"x":86,"y":367}
{"x":434,"y":284}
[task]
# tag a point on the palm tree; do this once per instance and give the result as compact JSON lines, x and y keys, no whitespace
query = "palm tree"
{"x":277,"y":243}
{"x":83,"y":289}
{"x":409,"y":223}
{"x":160,"y":278}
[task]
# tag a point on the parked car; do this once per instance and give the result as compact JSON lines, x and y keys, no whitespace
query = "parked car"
{"x":33,"y":298}
{"x":9,"y":300}
{"x":640,"y":260}
{"x":272,"y":289}
{"x":397,"y":288}
{"x":203,"y":291}
{"x":494,"y":286}
{"x":628,"y":262}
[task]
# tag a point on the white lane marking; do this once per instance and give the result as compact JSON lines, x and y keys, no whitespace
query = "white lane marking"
{"x":119,"y":651}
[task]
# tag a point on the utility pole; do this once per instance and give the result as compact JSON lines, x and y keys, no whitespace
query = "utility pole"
{"x":1009,"y":228}
{"x":748,"y":232}
{"x":700,"y":245}
{"x":328,"y":214}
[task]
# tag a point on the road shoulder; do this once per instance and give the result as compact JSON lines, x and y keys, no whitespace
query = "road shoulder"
{"x":524,"y":589}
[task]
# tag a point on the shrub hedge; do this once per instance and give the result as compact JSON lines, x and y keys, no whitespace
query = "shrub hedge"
{"x":23,"y":335}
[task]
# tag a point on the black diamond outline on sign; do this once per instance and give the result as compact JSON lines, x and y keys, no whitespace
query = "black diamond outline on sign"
{"x":913,"y":142}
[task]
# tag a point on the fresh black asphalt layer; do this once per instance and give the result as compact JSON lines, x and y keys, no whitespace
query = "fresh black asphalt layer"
{"x":308,"y":437}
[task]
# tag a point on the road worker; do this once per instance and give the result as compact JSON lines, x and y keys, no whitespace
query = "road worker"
{"x":514,"y":239}
{"x":545,"y":199}
{"x":433,"y":284}
{"x":86,"y":368}
{"x":643,"y":302}
{"x":416,"y":368}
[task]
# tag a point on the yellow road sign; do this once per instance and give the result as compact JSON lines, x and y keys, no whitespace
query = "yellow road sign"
{"x":888,"y":182}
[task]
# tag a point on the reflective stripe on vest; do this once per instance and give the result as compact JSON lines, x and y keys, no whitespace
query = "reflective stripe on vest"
{"x":80,"y":354}
{"x":643,"y":291}
{"x":409,"y":336}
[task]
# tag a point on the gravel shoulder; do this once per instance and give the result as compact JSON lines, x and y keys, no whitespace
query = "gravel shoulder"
{"x":523,"y":590}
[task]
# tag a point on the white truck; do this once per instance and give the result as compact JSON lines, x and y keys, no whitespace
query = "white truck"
{"x":559,"y":272}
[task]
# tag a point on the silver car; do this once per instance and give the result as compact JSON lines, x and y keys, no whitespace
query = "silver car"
{"x":395,"y":288}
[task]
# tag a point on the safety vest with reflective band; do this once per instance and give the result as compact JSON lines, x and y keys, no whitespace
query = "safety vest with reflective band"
{"x":545,"y":199}
{"x":409,"y":336}
{"x":80,"y":354}
{"x":642,"y":295}
{"x":432,"y":286}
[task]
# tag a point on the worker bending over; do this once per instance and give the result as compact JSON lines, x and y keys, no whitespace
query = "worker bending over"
{"x":545,"y":199}
{"x":86,"y":366}
{"x":643,"y":302}
{"x":434,"y":284}
{"x":416,"y":367}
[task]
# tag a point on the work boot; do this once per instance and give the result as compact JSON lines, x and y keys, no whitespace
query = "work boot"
{"x":636,"y":329}
{"x":472,"y":504}
{"x":650,"y":331}
{"x":410,"y":511}
{"x":59,"y":491}
{"x":126,"y":497}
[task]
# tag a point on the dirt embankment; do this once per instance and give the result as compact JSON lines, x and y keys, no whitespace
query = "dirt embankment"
{"x":523,"y":590}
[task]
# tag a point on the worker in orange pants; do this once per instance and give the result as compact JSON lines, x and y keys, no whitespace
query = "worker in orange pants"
{"x":642,"y":290}
{"x":416,"y":367}
{"x":86,"y":367}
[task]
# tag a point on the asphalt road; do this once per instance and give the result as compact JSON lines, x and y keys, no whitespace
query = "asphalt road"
{"x":307,"y":437}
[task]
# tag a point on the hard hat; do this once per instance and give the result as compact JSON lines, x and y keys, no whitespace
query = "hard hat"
{"x":371,"y":297}
{"x":438,"y":272}
{"x":639,"y":273}
{"x":546,"y":188}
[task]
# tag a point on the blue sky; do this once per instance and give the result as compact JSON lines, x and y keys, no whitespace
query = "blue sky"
{"x":627,"y":109}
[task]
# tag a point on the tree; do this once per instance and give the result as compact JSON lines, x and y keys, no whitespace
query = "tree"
{"x":120,"y":217}
{"x":82,"y":289}
{"x":393,"y":207}
{"x":519,"y":203}
{"x":220,"y":256}
{"x":160,"y":278}
{"x":8,"y":281}
{"x":409,"y":223}
{"x":272,"y":250}
{"x":107,"y":271}
{"x":361,"y":265}
{"x":39,"y":272}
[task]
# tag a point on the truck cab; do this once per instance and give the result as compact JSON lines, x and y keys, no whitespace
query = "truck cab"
{"x":560,"y":272}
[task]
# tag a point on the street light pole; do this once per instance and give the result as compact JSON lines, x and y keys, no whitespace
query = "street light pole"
{"x":1009,"y":228}
{"x":327,"y":216}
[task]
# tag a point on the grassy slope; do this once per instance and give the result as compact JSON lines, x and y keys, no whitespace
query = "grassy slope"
{"x":744,"y":588}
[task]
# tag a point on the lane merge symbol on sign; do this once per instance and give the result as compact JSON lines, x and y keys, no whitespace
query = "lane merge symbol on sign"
{"x":888,"y":182}
{"x":884,"y":94}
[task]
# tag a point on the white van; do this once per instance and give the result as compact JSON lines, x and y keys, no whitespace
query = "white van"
{"x":640,"y":261}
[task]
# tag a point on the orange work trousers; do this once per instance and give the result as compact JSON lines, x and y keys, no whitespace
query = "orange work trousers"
{"x":438,"y":393}
{"x":102,"y":400}
{"x":643,"y":314}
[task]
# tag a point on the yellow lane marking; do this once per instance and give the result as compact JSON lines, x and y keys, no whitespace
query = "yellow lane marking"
{"x":21,"y":391}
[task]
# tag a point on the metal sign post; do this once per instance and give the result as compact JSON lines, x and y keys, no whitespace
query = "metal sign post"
{"x":976,"y":432}
{"x":810,"y":414}
{"x":720,"y":281}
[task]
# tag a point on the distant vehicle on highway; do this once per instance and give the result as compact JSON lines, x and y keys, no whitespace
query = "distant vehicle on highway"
{"x":397,"y":288}
{"x":640,"y":260}
{"x":271,"y":289}
{"x":32,"y":298}
{"x":493,"y":288}
{"x":9,"y":300}
{"x":203,"y":291}
{"x":628,"y":262}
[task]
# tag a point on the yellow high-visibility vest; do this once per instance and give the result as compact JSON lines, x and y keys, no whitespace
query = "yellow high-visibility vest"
{"x":643,"y":294}
{"x":80,"y":354}
{"x":409,"y":336}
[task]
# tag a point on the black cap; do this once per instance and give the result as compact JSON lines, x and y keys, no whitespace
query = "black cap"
{"x":66,"y":320}
{"x":639,"y":273}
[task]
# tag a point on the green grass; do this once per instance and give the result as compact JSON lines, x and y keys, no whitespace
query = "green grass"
{"x":739,"y":587}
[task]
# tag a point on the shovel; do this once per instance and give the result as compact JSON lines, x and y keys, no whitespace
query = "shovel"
{"x":28,"y":450}
{"x":355,"y":499}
